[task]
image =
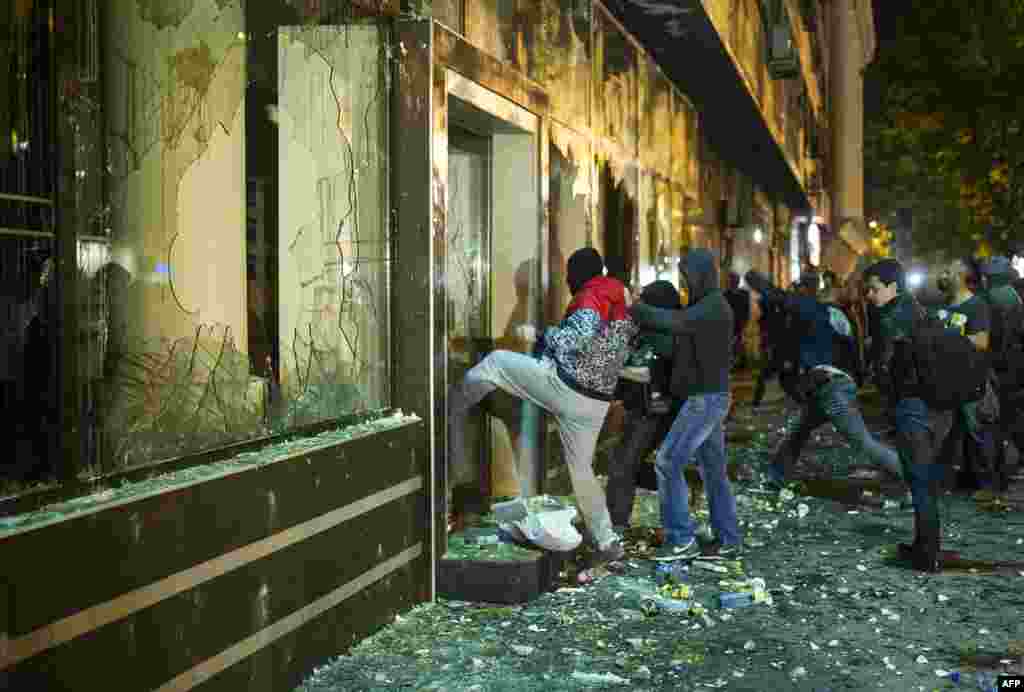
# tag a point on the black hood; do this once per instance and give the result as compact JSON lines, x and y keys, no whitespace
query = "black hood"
{"x":701,"y":272}
{"x":583,"y":265}
{"x":661,"y":294}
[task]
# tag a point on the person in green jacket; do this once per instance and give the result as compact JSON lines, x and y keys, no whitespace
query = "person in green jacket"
{"x":998,"y":276}
{"x":885,"y":284}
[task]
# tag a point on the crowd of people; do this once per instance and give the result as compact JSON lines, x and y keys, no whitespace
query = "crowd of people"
{"x":822,"y":338}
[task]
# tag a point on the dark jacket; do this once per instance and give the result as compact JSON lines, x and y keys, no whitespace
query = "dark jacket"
{"x":823,"y":329}
{"x":703,"y":331}
{"x":739,"y":301}
{"x":896,"y":322}
{"x":1002,"y":294}
{"x":591,"y":343}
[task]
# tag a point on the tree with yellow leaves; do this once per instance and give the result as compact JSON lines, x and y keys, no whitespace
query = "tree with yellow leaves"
{"x":949,"y":142}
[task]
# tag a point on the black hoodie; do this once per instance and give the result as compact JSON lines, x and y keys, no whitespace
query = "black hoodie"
{"x":702,"y":331}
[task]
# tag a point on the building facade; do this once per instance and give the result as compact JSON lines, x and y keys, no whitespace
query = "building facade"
{"x":248,"y":246}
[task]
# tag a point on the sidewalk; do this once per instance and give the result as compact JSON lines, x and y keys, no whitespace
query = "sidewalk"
{"x":845,"y":614}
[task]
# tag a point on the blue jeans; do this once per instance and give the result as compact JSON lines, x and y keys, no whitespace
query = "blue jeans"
{"x":834,"y":402}
{"x":696,"y":433}
{"x":917,"y":453}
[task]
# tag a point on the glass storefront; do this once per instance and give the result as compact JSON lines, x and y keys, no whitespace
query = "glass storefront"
{"x":226,"y":184}
{"x":220,"y":174}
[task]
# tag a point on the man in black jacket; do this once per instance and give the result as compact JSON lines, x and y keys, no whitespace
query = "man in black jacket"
{"x":700,"y":375}
{"x":739,"y":301}
{"x":644,"y":429}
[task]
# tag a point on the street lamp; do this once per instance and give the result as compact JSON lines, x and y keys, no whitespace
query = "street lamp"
{"x":873,"y":225}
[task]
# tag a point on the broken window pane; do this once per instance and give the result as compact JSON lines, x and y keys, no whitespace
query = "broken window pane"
{"x":240,"y":286}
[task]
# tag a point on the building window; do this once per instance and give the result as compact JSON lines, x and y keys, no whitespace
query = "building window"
{"x":242,"y":286}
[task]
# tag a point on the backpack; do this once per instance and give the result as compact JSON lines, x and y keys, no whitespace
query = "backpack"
{"x":847,"y":351}
{"x":948,"y":369}
{"x":1007,"y":345}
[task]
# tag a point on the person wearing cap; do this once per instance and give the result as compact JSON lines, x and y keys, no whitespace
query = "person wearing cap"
{"x":828,"y":385}
{"x":571,"y":375}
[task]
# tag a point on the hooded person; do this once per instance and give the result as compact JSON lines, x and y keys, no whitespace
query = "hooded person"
{"x":702,"y":356}
{"x":644,"y":428}
{"x":571,"y":375}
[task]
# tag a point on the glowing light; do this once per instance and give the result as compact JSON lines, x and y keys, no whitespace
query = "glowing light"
{"x":915,"y":279}
{"x":873,"y":225}
{"x":758,"y":235}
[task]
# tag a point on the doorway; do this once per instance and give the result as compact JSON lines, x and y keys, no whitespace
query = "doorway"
{"x":492,"y":275}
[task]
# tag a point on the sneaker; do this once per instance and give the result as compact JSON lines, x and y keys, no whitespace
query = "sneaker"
{"x":672,"y":553}
{"x":612,"y":553}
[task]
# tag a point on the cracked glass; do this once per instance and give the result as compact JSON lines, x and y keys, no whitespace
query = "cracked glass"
{"x":235,"y":283}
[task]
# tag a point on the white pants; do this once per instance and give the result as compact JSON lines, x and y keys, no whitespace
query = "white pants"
{"x":579,"y":419}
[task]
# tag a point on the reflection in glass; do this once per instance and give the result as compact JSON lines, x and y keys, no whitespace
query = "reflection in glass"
{"x":26,"y":136}
{"x":28,"y":386}
{"x":246,"y":275}
{"x":467,"y":275}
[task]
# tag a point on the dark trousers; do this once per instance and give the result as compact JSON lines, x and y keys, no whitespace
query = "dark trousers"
{"x":973,"y":446}
{"x":834,"y":401}
{"x":923,"y":470}
{"x":1010,"y":429}
{"x":641,"y":436}
{"x":788,"y":380}
{"x":768,"y":372}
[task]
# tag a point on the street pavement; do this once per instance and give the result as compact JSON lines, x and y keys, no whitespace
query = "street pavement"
{"x":839,"y":610}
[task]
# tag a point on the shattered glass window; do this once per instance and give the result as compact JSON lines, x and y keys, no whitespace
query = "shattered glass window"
{"x":237,"y":281}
